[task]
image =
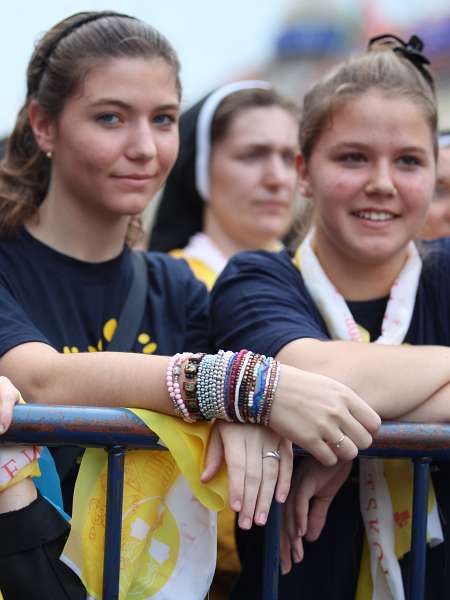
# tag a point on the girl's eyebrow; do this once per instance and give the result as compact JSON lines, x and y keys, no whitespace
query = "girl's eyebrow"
{"x":127,"y":106}
{"x":363,"y":146}
{"x":350,"y":144}
{"x":113,"y":101}
{"x":268,"y":146}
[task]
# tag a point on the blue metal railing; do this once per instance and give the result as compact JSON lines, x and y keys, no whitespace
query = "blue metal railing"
{"x":118,"y":429}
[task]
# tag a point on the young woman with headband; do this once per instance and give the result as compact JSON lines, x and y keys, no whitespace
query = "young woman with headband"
{"x":235,"y":178}
{"x":94,"y":141}
{"x":368,"y":140}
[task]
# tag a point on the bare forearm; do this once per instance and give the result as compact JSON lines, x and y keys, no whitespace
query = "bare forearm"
{"x":393,"y":380}
{"x":99,"y":379}
{"x":434,"y":410}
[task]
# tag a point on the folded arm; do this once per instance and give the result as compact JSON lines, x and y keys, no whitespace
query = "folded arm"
{"x":393,"y":380}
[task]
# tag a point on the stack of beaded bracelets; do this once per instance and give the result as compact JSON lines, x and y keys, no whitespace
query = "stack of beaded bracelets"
{"x":234,"y":386}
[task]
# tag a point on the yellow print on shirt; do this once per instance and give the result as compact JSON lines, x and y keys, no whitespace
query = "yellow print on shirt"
{"x":144,"y":339}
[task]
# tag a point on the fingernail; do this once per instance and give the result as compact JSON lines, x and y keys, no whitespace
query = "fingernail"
{"x":261,"y":518}
{"x":296,"y":556}
{"x":2,"y":428}
{"x":284,"y":569}
{"x":246,"y":523}
{"x":281,"y":499}
{"x":299,"y":533}
{"x":236,"y":505}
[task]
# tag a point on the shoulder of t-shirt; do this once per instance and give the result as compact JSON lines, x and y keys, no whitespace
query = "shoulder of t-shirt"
{"x":169,"y":271}
{"x":276,"y":264}
{"x":10,"y":244}
{"x":11,"y":257}
{"x":436,"y":256}
{"x":441,"y":246}
{"x":161,"y":262}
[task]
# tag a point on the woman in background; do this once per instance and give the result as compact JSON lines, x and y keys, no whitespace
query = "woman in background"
{"x":233,"y":184}
{"x":368,"y":139}
{"x":232,"y":189}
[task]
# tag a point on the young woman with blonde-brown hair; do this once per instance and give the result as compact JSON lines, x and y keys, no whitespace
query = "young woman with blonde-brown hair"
{"x":368,"y":140}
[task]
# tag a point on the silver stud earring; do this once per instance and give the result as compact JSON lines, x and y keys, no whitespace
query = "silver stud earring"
{"x":49,"y":154}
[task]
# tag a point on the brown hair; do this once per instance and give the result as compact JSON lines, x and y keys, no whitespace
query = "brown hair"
{"x":379,"y":68}
{"x":58,"y":66}
{"x":244,"y":99}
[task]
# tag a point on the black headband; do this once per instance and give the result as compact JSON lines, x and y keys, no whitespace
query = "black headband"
{"x":411,"y":50}
{"x":65,"y":32}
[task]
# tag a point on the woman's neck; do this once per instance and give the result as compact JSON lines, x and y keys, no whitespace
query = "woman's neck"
{"x":229,"y":245}
{"x":356,"y":280}
{"x":67,"y":227}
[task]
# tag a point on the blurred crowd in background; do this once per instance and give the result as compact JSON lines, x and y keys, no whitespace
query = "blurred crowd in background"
{"x":318,"y":34}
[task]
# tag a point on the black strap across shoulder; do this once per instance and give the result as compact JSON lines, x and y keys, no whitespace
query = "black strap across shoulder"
{"x":133,"y":310}
{"x":123,"y":341}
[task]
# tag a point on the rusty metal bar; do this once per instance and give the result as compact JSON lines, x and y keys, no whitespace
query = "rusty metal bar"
{"x":78,"y":426}
{"x":117,"y":429}
{"x":104,"y":427}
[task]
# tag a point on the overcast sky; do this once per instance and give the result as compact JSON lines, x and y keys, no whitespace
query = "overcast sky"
{"x":215,"y":39}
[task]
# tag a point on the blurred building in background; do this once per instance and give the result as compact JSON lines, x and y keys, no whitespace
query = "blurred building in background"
{"x":318,"y":34}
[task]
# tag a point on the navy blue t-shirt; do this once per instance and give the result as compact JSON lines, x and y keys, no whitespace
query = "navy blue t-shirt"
{"x":260,"y":302}
{"x":72,"y":305}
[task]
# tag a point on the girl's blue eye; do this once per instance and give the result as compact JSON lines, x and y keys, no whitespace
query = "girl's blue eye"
{"x":251,"y":155}
{"x":108,"y":118}
{"x":409,"y":161}
{"x":352,"y":157}
{"x":164,"y":119}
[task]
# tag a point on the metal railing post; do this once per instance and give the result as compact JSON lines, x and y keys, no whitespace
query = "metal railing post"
{"x":113,"y":523}
{"x":271,"y":566}
{"x":419,"y":529}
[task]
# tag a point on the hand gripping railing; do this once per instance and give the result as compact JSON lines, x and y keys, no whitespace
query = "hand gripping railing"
{"x":118,"y":429}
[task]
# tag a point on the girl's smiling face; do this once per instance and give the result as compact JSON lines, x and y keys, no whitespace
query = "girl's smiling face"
{"x":371,"y":175}
{"x":116,"y":139}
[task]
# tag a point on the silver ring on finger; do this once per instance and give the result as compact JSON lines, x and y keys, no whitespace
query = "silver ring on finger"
{"x":272,"y":454}
{"x":338,"y":444}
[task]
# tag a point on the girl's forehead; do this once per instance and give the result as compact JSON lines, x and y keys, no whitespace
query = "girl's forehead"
{"x":256,"y":120}
{"x":380,"y":113}
{"x":366,"y":101}
{"x":128,"y":80}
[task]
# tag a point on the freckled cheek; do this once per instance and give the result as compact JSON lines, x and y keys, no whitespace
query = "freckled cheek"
{"x":419,"y":197}
{"x":93,"y":158}
{"x":331,"y":183}
{"x":167,"y":152}
{"x":96,"y":164}
{"x":340,"y":191}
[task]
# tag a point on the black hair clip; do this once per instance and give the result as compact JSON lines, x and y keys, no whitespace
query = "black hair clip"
{"x":84,"y":20}
{"x":411,"y":50}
